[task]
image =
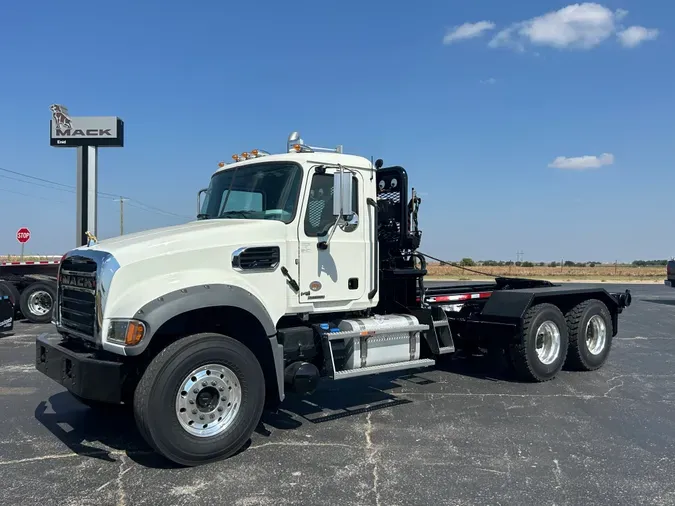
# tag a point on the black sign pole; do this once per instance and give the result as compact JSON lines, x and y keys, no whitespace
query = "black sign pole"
{"x":87,"y":193}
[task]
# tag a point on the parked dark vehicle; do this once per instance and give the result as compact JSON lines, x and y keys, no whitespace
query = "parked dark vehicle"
{"x":670,"y":274}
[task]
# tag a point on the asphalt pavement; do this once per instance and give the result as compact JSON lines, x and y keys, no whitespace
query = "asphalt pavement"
{"x":463,"y":434}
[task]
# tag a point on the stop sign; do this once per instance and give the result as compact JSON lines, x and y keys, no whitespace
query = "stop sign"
{"x":23,"y":235}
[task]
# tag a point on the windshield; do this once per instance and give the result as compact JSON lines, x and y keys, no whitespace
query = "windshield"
{"x":261,"y":191}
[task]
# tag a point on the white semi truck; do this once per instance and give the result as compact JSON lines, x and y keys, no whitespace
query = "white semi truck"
{"x":301,"y":265}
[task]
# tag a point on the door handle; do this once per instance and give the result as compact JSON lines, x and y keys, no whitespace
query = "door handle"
{"x":376,"y":261}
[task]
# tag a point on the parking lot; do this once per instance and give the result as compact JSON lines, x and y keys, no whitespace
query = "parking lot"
{"x":463,"y":434}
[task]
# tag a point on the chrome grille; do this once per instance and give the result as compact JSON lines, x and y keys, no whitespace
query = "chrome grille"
{"x":77,"y":296}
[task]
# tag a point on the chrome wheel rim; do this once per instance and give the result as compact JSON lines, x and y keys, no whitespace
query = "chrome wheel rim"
{"x":40,"y":303}
{"x":548,"y":342}
{"x":596,"y":334}
{"x":208,"y":400}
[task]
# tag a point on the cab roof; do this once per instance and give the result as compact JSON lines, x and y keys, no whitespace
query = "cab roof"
{"x":299,"y":152}
{"x":351,"y":161}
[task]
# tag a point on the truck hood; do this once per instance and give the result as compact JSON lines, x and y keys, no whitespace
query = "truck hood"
{"x":191,"y":237}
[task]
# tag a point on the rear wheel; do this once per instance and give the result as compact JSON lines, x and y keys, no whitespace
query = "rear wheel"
{"x":37,"y":302}
{"x":590,"y":331}
{"x":542,"y":347}
{"x":200,"y":399}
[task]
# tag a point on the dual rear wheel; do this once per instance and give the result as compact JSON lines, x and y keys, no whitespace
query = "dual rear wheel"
{"x":580,"y":339}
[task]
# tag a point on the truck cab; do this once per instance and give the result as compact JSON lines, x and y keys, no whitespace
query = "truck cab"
{"x":300,"y":265}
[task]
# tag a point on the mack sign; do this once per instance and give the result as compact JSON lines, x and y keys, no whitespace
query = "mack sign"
{"x":70,"y":131}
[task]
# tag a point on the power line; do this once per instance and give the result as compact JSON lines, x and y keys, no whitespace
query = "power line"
{"x":70,"y":188}
{"x":38,"y":184}
{"x":32,"y":196}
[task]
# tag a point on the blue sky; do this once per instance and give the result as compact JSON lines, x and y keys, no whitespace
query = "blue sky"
{"x":476,"y":98}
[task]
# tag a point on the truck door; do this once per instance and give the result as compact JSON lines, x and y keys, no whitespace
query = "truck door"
{"x":338,"y":274}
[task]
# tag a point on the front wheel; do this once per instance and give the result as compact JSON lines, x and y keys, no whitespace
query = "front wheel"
{"x":200,"y":399}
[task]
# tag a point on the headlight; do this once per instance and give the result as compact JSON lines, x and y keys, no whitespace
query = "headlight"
{"x":126,"y":332}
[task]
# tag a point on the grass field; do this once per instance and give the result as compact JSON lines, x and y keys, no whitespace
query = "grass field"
{"x":600,"y":273}
{"x":28,"y":258}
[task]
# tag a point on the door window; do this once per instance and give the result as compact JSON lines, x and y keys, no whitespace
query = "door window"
{"x":319,"y":217}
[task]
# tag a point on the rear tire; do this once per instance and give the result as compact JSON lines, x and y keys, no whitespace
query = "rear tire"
{"x":37,"y":302}
{"x":200,"y":399}
{"x":540,"y":353}
{"x":590,"y":331}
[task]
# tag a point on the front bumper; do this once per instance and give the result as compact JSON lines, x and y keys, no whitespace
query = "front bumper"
{"x":669,"y":282}
{"x":79,"y":371}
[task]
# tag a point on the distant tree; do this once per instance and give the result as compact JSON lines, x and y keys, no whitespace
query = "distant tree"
{"x":649,"y":263}
{"x":541,"y":264}
{"x":508,"y":263}
{"x":527,"y":264}
{"x":518,"y":264}
{"x":569,"y":263}
{"x":467,"y":262}
{"x":553,"y":264}
{"x":591,"y":264}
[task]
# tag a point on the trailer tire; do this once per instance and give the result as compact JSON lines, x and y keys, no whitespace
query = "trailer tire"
{"x":13,"y":293}
{"x":542,"y":347}
{"x":589,"y":352}
{"x":37,"y":302}
{"x":179,"y":404}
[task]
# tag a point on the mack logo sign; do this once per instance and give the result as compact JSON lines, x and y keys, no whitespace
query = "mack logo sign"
{"x":78,"y":282}
{"x":69,"y":131}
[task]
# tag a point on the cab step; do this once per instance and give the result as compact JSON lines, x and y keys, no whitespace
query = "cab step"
{"x":377,"y":369}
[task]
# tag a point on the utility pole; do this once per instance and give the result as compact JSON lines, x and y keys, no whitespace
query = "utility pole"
{"x":121,"y":199}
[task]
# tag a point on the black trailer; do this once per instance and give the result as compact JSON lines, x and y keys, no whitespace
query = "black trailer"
{"x":31,"y":287}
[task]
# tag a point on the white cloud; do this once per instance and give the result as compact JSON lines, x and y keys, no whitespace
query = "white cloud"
{"x":490,"y":80}
{"x":636,"y":35}
{"x":468,"y":31}
{"x":582,"y":162}
{"x":577,"y":26}
{"x":620,"y":14}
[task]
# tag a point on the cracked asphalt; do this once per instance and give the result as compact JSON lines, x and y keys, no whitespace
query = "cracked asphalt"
{"x":463,"y":434}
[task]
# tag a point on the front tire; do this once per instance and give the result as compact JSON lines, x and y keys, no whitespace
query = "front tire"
{"x":541,"y":349}
{"x":200,"y":399}
{"x":590,"y":329}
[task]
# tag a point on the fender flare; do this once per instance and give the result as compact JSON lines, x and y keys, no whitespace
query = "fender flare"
{"x":160,"y":310}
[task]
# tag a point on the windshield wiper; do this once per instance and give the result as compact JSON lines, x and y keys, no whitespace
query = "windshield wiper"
{"x":243,"y":213}
{"x":202,"y":216}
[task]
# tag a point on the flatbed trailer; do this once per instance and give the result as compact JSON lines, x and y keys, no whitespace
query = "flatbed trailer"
{"x":314,"y":273}
{"x":31,"y":287}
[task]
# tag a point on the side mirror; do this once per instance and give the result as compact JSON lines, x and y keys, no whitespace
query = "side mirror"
{"x":199,"y":199}
{"x":342,"y":194}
